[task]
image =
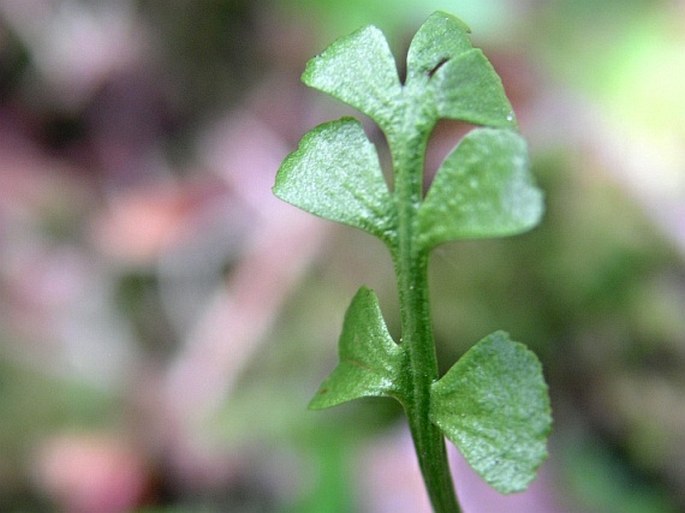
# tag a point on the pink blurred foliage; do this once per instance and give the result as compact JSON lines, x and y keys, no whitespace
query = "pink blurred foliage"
{"x":76,"y":47}
{"x":143,"y":222}
{"x":120,"y":207}
{"x":91,"y":473}
{"x":45,"y":277}
{"x":280,"y":243}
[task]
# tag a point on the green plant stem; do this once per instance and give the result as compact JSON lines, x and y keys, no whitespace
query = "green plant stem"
{"x":428,"y":439}
{"x":411,"y":265}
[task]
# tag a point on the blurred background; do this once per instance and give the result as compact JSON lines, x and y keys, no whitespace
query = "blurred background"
{"x":164,"y":320}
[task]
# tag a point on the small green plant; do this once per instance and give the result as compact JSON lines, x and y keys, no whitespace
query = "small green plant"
{"x":493,"y":403}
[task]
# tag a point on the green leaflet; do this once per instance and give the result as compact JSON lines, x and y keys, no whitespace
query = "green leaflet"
{"x":493,"y":405}
{"x":454,"y":79}
{"x":483,"y":189}
{"x":445,"y":75}
{"x":468,"y":88}
{"x":335,"y":174}
{"x":440,"y":38}
{"x":371,"y":364}
{"x":360,"y":70}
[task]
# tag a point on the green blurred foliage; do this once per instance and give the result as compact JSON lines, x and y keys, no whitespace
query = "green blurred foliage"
{"x":485,"y":17}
